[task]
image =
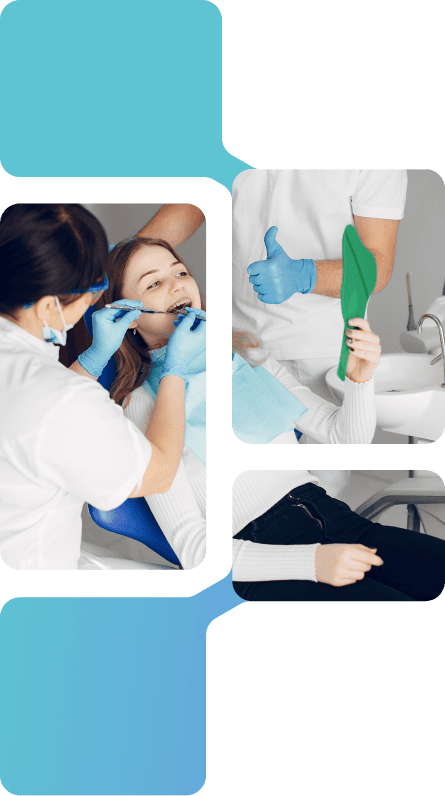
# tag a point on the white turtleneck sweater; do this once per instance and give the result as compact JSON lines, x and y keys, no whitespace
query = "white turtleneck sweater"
{"x":254,"y":492}
{"x":180,"y":512}
{"x":352,"y":423}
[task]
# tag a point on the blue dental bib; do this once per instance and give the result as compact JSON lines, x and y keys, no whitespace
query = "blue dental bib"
{"x":195,"y":398}
{"x":262,"y":408}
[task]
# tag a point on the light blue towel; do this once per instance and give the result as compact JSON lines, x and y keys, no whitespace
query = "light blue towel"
{"x":195,"y":399}
{"x":262,"y":408}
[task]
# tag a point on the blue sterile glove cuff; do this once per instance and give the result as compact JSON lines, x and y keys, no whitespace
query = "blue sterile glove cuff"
{"x":278,"y":277}
{"x":186,"y":343}
{"x":109,"y":328}
{"x":175,"y":366}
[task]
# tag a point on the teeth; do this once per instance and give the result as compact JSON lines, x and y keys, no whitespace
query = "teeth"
{"x":181,"y":306}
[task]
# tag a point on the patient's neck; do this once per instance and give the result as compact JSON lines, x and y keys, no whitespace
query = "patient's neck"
{"x":154,"y":341}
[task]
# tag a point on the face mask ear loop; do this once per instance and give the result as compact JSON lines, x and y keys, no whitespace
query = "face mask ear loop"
{"x":60,"y":310}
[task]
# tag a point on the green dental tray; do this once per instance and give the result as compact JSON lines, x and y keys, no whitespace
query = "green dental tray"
{"x":359,"y":280}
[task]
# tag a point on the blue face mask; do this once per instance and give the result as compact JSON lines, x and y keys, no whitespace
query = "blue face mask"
{"x":55,"y":335}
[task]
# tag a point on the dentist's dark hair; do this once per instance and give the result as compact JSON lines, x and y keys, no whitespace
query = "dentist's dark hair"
{"x":48,"y":250}
{"x":132,"y":358}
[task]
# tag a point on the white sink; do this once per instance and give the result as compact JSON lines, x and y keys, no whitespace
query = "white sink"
{"x":409,"y":398}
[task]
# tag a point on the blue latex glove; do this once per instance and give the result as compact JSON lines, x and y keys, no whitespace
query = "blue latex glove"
{"x":186,"y":343}
{"x":108,"y":333}
{"x":278,"y":278}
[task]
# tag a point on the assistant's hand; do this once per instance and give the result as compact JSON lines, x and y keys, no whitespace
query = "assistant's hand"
{"x":278,"y":278}
{"x":343,"y":564}
{"x":109,"y":328}
{"x":364,"y":351}
{"x":186,"y":343}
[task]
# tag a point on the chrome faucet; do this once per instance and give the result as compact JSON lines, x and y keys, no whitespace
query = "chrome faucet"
{"x":442,"y":340}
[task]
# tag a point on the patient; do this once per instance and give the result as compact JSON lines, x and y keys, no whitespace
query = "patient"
{"x":287,"y":406}
{"x":294,"y":542}
{"x":149,"y":270}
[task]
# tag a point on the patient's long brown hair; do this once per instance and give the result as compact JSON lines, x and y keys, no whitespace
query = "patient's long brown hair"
{"x":132,"y":358}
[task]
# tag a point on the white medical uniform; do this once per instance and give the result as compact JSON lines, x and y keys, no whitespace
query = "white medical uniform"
{"x":311,"y":209}
{"x":63,"y":442}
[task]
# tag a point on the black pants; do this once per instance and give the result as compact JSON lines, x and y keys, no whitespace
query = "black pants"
{"x":413,"y":568}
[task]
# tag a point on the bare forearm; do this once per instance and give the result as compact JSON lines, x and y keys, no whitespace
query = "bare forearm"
{"x":330,"y":275}
{"x":77,"y":367}
{"x":165,"y":432}
{"x":173,"y":223}
{"x":380,"y":237}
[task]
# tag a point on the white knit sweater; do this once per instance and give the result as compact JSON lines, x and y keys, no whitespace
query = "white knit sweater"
{"x":180,"y":512}
{"x":254,"y":492}
{"x":353,"y":422}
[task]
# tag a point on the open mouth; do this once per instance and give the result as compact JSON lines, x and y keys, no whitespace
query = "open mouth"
{"x":180,"y":305}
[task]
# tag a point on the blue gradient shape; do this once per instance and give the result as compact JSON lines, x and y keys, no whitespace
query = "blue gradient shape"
{"x":106,"y":696}
{"x":100,"y":88}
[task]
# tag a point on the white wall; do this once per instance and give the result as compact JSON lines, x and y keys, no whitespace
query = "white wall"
{"x":420,"y":249}
{"x":122,"y":221}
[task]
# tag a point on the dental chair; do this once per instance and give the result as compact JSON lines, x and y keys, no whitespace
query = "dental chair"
{"x":423,"y":494}
{"x":134,"y":517}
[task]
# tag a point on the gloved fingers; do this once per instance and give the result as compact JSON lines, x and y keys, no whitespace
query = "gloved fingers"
{"x":256,"y":280}
{"x":129,"y":303}
{"x":261,"y":289}
{"x":199,"y":315}
{"x":198,"y":312}
{"x":111,"y":313}
{"x":266,"y":298}
{"x":255,"y":268}
{"x":272,"y":247}
{"x":185,"y":322}
{"x":129,"y":317}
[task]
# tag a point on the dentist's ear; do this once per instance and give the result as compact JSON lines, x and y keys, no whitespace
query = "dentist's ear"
{"x":45,"y":307}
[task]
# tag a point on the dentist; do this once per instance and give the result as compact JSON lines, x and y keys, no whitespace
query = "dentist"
{"x":63,"y":441}
{"x":288,"y":295}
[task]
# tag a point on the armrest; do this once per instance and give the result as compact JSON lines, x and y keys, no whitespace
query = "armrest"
{"x":408,"y":490}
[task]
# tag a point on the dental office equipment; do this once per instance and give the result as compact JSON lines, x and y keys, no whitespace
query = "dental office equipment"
{"x":151,"y":312}
{"x":442,"y":340}
{"x":411,"y":325}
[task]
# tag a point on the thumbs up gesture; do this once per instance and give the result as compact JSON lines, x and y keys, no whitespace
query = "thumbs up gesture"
{"x":278,"y":278}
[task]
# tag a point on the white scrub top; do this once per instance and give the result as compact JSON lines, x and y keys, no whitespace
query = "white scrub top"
{"x":63,"y":442}
{"x":311,"y":210}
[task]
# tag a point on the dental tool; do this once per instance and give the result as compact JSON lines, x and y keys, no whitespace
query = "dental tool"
{"x":151,"y":312}
{"x":411,"y":325}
